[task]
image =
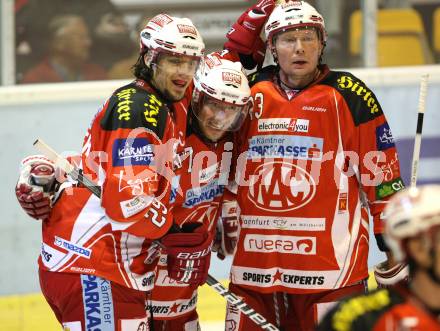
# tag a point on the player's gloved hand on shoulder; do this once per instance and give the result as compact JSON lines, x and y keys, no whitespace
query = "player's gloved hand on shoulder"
{"x":188,"y":254}
{"x":35,"y":186}
{"x":386,"y":276}
{"x":227,"y":230}
{"x":244,"y":35}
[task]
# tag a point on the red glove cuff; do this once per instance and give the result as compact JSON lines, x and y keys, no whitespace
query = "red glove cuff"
{"x":188,"y":256}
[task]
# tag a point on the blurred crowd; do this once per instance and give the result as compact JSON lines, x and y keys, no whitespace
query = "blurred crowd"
{"x":66,"y":40}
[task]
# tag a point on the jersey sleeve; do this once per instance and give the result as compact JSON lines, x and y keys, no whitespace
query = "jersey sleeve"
{"x":129,"y":151}
{"x":371,"y":138}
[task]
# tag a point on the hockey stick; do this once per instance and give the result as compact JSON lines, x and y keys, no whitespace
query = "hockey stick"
{"x":418,"y":138}
{"x":72,"y":171}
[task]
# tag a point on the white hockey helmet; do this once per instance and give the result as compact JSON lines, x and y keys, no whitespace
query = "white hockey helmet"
{"x":409,"y":213}
{"x":294,"y":14}
{"x":223,"y":81}
{"x":174,"y":35}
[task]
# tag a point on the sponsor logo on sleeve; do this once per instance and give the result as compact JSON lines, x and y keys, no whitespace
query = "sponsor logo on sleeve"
{"x":389,"y":188}
{"x":384,"y":137}
{"x":131,"y":152}
{"x":205,"y":175}
{"x":198,"y":195}
{"x":283,"y":125}
{"x":73,"y":248}
{"x":135,"y":205}
{"x":280,"y":244}
{"x":175,"y":183}
{"x":286,"y":147}
{"x":390,"y":169}
{"x":98,"y":303}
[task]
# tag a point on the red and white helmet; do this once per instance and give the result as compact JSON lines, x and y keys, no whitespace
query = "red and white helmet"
{"x":174,"y":35}
{"x":293,"y":14}
{"x":410,"y":213}
{"x":224,"y":81}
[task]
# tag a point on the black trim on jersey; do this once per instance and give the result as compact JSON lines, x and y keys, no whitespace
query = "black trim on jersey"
{"x":361,"y":313}
{"x":265,"y":74}
{"x":361,"y":100}
{"x":131,"y":107}
{"x":381,"y":244}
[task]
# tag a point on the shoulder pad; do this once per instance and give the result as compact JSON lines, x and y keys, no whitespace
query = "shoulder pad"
{"x":131,"y":107}
{"x":361,"y":101}
{"x":362,"y":312}
{"x":264,"y":74}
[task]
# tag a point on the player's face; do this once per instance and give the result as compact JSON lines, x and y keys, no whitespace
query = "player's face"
{"x":173,"y":74}
{"x":298,"y":52}
{"x":74,"y":42}
{"x":216,"y":117}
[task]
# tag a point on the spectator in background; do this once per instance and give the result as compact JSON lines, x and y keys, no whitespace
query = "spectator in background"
{"x":109,"y":33}
{"x":67,"y":55}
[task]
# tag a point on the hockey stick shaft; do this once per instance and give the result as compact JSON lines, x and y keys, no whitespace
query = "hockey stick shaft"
{"x":63,"y":164}
{"x":418,"y":137}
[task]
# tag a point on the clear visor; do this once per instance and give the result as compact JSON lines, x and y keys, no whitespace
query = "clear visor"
{"x":177,"y":63}
{"x":219,"y":115}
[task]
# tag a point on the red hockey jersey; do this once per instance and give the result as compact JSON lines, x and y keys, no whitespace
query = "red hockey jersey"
{"x":129,"y":151}
{"x":392,"y":309}
{"x":202,"y":181}
{"x":311,"y":168}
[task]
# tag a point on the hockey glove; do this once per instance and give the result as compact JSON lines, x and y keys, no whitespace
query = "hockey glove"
{"x":387,"y":277}
{"x":188,"y":255}
{"x":227,"y":230}
{"x":244,"y":36}
{"x":35,"y":186}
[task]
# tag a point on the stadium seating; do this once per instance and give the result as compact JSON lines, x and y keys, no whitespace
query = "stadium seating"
{"x":401,"y":37}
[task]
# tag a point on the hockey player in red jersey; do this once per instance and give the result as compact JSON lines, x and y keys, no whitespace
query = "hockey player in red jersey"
{"x":98,"y":257}
{"x":317,"y":157}
{"x":221,"y":100}
{"x":412,"y":233}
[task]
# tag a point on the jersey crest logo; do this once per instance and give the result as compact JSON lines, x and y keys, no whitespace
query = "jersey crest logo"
{"x":281,"y":186}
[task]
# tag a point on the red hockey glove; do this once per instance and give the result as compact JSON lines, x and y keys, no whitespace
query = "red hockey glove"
{"x":35,"y":186}
{"x":188,"y":255}
{"x":227,"y":230}
{"x":244,"y":36}
{"x":387,"y":277}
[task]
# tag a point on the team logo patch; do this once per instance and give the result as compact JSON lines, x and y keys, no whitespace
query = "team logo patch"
{"x":281,"y":186}
{"x":130,"y":152}
{"x":384,"y":137}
